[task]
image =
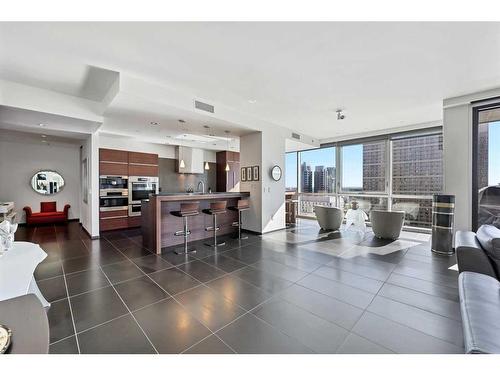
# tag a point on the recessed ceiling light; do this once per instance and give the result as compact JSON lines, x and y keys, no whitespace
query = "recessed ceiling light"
{"x":44,"y":141}
{"x":252,"y":101}
{"x":42,"y":125}
{"x":44,"y":136}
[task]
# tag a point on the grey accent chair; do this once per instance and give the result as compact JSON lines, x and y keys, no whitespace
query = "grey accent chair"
{"x":329,"y":218}
{"x":387,"y":224}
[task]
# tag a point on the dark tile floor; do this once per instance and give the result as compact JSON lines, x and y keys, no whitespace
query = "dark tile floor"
{"x":294,"y":291}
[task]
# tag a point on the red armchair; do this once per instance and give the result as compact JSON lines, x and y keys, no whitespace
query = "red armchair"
{"x":48,"y":214}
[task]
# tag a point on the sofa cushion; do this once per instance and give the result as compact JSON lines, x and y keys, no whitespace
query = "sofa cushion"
{"x":48,"y":214}
{"x":48,"y":206}
{"x":489,"y":238}
{"x":480,"y":310}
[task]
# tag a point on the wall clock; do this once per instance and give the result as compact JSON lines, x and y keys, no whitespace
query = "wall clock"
{"x":276,"y":173}
{"x":5,"y":338}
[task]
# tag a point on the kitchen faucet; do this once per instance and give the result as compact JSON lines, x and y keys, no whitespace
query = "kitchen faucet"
{"x":202,"y":186}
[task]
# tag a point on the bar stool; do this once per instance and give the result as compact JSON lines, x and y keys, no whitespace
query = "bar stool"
{"x":216,"y":208}
{"x":186,"y":210}
{"x":242,"y":205}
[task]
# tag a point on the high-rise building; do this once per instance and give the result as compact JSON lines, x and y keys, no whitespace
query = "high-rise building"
{"x":374,"y":166}
{"x":417,"y":169}
{"x":319,"y":179}
{"x":482,"y":159}
{"x":330,"y":179}
{"x":306,"y":178}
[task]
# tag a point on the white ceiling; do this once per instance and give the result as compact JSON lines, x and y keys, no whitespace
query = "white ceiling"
{"x":384,"y":75}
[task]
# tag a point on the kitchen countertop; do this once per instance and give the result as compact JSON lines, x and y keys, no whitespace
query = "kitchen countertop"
{"x":197,"y":196}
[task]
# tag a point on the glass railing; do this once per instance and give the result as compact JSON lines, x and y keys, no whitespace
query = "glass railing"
{"x":418,"y":210}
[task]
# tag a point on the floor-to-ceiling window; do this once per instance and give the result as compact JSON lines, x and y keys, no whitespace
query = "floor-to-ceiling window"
{"x":486,"y":179}
{"x":317,"y":179}
{"x":397,"y":171}
{"x":417,"y":174}
{"x":363,"y":171}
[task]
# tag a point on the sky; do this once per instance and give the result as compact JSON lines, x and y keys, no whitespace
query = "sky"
{"x":494,"y":153}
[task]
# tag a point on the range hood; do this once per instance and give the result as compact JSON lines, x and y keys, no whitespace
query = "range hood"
{"x":193,"y":160}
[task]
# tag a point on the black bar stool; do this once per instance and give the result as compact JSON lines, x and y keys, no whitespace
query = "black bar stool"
{"x":186,"y":210}
{"x":242,"y":205}
{"x":216,"y":208}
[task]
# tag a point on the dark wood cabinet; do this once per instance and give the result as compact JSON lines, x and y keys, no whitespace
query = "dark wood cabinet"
{"x":107,"y":168}
{"x":124,"y":163}
{"x":143,"y":170}
{"x":142,"y":158}
{"x":142,"y":164}
{"x":227,"y":180}
{"x":115,"y":156}
{"x":113,"y":162}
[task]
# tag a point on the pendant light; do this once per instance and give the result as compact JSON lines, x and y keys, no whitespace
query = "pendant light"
{"x":182,"y":165}
{"x":227,"y":139}
{"x":207,"y":167}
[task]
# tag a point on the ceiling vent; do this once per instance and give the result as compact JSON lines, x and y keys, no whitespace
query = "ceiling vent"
{"x":295,"y":135}
{"x":204,"y":106}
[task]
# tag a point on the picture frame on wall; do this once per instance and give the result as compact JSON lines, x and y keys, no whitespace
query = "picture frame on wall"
{"x":255,"y":173}
{"x":243,"y":176}
{"x":249,"y":174}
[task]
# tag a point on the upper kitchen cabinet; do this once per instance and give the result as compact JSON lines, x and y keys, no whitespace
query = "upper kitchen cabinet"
{"x":127,"y":163}
{"x":142,"y":164}
{"x":113,"y":162}
{"x":228,"y":180}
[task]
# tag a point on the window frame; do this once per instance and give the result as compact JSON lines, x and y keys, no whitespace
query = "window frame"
{"x":388,"y":192}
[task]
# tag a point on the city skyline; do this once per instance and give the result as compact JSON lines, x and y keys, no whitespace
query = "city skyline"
{"x":353,"y":161}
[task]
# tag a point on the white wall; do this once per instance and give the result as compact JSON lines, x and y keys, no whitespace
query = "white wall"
{"x":273,"y":192}
{"x":267,"y":197}
{"x":89,"y":216}
{"x":21,"y":159}
{"x":457,"y":148}
{"x":251,"y":154}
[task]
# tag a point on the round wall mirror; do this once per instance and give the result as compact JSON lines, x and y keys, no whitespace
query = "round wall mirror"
{"x":276,"y":173}
{"x":47,"y":182}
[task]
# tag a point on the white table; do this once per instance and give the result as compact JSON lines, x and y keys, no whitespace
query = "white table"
{"x":356,"y":218}
{"x":16,"y":271}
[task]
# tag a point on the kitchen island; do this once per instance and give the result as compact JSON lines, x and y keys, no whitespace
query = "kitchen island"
{"x":158,"y":225}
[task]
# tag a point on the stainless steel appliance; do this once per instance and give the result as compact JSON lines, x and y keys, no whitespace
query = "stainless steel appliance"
{"x":113,"y":182}
{"x":113,"y":193}
{"x":139,"y":188}
{"x":113,"y":199}
{"x":134,"y":210}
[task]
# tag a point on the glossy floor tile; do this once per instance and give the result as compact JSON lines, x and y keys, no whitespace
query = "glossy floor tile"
{"x":170,"y":327}
{"x":119,"y":336}
{"x":250,"y":335}
{"x":301,"y":290}
{"x":210,"y":345}
{"x":211,"y":308}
